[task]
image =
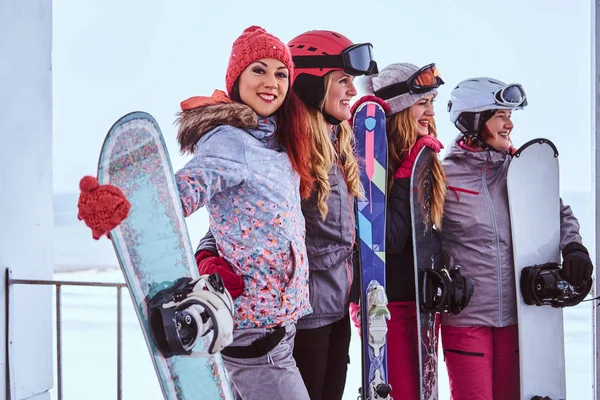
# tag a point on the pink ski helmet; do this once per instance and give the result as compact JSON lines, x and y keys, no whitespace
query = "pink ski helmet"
{"x":319,"y":52}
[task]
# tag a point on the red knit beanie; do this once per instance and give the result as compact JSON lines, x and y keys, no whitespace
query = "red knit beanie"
{"x":253,"y":44}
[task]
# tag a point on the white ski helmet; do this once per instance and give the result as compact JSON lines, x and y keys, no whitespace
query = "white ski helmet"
{"x":471,"y":98}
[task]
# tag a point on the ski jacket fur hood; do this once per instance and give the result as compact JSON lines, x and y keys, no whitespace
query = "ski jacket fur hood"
{"x":476,"y":232}
{"x":251,"y":190}
{"x":200,"y":115}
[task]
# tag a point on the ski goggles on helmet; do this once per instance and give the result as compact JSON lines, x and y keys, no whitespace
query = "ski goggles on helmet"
{"x":424,"y":80}
{"x":511,"y":95}
{"x":355,"y":60}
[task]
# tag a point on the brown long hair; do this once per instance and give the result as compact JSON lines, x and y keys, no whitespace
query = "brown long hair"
{"x":402,"y":135}
{"x":293,"y":133}
{"x":324,"y":154}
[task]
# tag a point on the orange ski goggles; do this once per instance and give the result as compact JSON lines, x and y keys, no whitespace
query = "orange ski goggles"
{"x":424,"y":80}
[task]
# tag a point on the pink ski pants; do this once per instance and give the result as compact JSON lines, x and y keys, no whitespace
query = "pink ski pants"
{"x":402,"y":353}
{"x":482,"y":362}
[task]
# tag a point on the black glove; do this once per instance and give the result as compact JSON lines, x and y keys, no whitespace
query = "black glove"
{"x":577,"y":266}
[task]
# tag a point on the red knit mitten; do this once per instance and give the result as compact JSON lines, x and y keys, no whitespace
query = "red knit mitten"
{"x":102,"y":208}
{"x":209,"y":263}
{"x":405,"y":170}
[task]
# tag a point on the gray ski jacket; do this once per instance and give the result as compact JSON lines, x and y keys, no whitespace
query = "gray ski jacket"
{"x":476,"y":232}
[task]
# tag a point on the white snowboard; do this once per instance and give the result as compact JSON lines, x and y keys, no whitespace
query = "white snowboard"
{"x":534,"y":203}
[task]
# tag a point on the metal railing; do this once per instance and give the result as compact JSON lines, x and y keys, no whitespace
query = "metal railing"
{"x":58,"y":284}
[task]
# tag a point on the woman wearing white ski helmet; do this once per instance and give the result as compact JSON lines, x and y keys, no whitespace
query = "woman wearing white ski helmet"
{"x":474,"y":101}
{"x":326,"y":64}
{"x":481,"y":344}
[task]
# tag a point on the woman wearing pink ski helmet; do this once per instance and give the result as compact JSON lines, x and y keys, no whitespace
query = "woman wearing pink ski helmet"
{"x":326,"y":64}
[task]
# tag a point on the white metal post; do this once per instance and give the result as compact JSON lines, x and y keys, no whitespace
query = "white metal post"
{"x":26,"y":221}
{"x":596,"y":156}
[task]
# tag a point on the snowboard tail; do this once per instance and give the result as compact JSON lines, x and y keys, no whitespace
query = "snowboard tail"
{"x":154,"y":249}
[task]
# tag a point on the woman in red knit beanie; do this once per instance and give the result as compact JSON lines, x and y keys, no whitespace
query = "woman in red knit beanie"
{"x":250,"y":167}
{"x":326,"y":64}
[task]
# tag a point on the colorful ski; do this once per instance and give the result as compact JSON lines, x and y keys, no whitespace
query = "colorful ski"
{"x":153,"y":247}
{"x":371,"y":145}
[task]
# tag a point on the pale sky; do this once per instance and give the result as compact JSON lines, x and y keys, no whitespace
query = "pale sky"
{"x":111,"y":57}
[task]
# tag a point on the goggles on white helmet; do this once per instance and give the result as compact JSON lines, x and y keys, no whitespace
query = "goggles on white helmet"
{"x":511,"y":95}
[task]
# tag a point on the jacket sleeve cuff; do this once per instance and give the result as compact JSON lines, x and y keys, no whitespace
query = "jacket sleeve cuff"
{"x":574,"y":246}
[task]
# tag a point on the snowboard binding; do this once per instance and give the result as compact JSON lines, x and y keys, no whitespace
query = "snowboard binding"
{"x":542,"y":285}
{"x":445,"y":290}
{"x":189,"y":309}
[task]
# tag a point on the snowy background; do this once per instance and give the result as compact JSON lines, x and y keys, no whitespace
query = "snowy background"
{"x":111,"y":57}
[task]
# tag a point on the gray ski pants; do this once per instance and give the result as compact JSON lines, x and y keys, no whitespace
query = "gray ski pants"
{"x":273,"y":376}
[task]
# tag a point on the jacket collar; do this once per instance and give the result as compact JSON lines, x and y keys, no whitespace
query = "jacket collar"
{"x":200,"y":115}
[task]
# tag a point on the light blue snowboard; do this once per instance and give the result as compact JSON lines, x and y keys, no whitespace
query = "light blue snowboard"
{"x":153,"y":247}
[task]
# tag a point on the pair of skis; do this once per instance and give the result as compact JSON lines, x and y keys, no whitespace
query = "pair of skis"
{"x":371,"y":145}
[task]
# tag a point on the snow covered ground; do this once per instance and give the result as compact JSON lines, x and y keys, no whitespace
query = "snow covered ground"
{"x":89,"y":346}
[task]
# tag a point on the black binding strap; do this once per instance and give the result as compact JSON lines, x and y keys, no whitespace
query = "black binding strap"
{"x":258,"y":348}
{"x":393,"y":90}
{"x":321,"y":61}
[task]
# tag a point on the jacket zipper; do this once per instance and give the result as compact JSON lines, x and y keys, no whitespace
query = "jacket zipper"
{"x":495,"y":225}
{"x":351,"y":276}
{"x":349,"y":271}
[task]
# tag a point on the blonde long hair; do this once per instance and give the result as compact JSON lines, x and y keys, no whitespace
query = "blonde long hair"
{"x":402,"y":135}
{"x":324,"y":153}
